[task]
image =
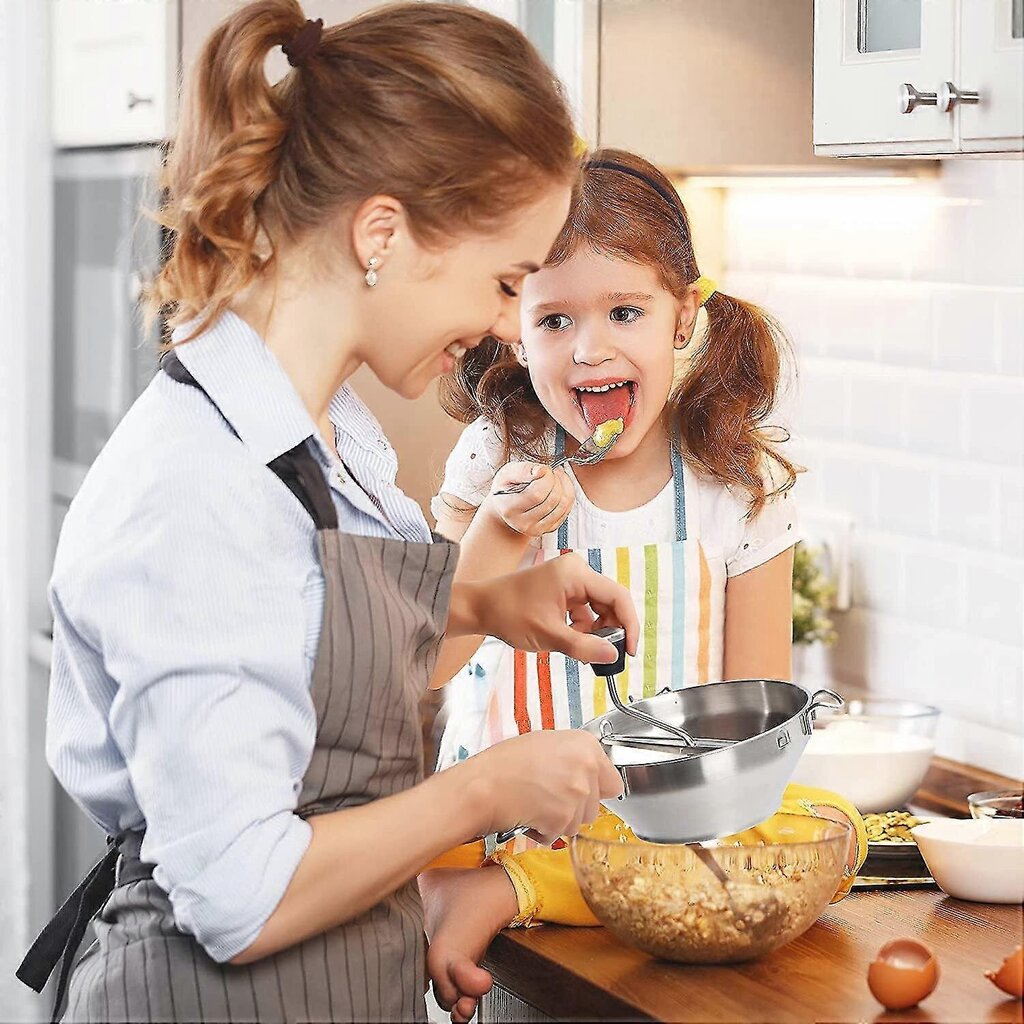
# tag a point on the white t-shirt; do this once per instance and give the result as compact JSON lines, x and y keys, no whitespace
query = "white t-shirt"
{"x":717,"y":515}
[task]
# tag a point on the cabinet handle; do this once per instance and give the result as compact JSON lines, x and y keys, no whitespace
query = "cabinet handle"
{"x":950,"y":96}
{"x":911,"y":99}
{"x":135,"y":100}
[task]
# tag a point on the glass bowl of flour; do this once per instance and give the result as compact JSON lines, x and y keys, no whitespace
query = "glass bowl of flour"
{"x":874,"y":752}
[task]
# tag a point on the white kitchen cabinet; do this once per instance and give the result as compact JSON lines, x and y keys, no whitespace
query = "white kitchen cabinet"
{"x":709,"y":86}
{"x":918,"y":77}
{"x":114,"y":71}
{"x":992,"y":64}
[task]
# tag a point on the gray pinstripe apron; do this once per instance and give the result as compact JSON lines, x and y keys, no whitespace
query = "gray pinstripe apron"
{"x":384,"y":612}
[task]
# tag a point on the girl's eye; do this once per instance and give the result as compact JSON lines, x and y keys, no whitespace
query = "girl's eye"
{"x":625,"y":314}
{"x":555,"y":322}
{"x":508,"y":290}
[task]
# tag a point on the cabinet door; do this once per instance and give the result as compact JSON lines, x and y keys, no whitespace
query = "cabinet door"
{"x":706,"y":85}
{"x":865,"y":53}
{"x":992,"y":65}
{"x":111,"y":68}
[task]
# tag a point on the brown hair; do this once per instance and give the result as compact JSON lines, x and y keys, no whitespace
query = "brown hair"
{"x":720,"y":406}
{"x":446,"y":108}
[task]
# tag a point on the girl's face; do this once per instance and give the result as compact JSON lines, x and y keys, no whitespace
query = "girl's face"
{"x":599,"y":336}
{"x":432,"y":305}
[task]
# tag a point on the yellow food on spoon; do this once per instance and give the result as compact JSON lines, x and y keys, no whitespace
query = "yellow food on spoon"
{"x":606,"y":432}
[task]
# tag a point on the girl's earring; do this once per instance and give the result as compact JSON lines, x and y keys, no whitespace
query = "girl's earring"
{"x":681,"y":341}
{"x":371,"y":271}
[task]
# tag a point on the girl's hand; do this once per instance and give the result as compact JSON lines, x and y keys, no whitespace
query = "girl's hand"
{"x":542,"y":507}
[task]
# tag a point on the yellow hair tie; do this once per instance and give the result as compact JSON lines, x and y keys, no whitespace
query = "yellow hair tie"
{"x":579,"y":147}
{"x":705,"y":288}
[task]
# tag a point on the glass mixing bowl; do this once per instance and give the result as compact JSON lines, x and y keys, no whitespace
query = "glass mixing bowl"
{"x":666,"y":901}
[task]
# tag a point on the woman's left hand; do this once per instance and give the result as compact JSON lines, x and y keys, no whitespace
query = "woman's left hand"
{"x":529,"y":609}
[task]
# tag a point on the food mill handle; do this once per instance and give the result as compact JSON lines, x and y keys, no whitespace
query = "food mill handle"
{"x":818,"y":701}
{"x":512,"y":833}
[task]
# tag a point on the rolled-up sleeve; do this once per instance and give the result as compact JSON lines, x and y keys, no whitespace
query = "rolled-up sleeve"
{"x":199,"y":619}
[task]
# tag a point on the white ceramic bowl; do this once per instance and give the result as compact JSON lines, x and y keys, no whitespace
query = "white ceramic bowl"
{"x":981,"y":860}
{"x":876,"y":754}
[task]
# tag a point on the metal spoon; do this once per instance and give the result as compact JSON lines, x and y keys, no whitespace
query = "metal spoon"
{"x":586,"y":455}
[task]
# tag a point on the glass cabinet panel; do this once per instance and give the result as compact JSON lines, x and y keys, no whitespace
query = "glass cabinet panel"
{"x":884,"y":25}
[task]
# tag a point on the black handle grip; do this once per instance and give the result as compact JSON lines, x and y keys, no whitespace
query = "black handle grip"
{"x":617,"y":635}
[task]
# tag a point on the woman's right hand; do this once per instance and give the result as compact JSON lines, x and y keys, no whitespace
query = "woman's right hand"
{"x":552,"y":781}
{"x":542,"y":507}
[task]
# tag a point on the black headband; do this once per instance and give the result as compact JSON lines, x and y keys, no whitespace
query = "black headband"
{"x":672,"y":200}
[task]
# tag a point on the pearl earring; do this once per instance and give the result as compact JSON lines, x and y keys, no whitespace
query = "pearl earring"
{"x":371,"y":270}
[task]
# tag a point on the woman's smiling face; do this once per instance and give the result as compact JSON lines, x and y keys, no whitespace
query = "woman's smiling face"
{"x":598,"y":337}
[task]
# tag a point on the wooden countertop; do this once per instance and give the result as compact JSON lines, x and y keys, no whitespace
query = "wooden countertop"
{"x":587,"y":974}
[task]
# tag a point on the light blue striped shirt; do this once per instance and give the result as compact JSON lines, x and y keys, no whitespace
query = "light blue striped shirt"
{"x":187,"y":599}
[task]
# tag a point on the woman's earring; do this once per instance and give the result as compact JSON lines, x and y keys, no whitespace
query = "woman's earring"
{"x":371,"y":270}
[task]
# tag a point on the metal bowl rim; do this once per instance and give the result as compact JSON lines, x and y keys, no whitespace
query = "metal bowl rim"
{"x":808,"y":696}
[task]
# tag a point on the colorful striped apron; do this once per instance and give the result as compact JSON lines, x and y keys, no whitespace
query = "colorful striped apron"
{"x":680,"y":594}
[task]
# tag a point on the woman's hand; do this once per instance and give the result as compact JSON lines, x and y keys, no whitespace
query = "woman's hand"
{"x":541,"y":508}
{"x":529,"y":610}
{"x":551,"y":780}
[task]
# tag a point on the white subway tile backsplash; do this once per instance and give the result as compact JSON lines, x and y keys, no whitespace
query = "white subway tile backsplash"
{"x":934,"y":588}
{"x":906,"y":498}
{"x":994,"y":229}
{"x":967,"y":507}
{"x":965,"y":334}
{"x":878,"y":404}
{"x":823,"y":403}
{"x":906,"y":306}
{"x":995,"y":422}
{"x":1009,"y":310}
{"x":902,"y":322}
{"x":847,"y":319}
{"x":995,"y":601}
{"x":848,"y":485}
{"x":878,"y":575}
{"x":935,"y":418}
{"x":1011,"y":515}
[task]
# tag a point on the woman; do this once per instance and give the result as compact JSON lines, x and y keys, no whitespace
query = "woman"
{"x":238,"y":663}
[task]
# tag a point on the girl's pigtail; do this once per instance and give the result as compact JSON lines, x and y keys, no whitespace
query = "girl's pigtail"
{"x":723,"y":401}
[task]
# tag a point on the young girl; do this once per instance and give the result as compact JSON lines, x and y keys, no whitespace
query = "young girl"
{"x":691,"y":510}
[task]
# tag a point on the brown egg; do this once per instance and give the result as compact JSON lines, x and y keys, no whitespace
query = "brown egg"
{"x":903,"y":973}
{"x":1010,"y":977}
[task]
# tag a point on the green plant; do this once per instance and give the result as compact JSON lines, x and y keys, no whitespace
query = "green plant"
{"x":812,"y":598}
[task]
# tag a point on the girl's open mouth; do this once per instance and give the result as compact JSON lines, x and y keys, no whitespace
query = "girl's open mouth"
{"x":602,"y":400}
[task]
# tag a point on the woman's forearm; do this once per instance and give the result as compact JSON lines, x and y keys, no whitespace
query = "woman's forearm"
{"x":359,"y":853}
{"x":488,"y":548}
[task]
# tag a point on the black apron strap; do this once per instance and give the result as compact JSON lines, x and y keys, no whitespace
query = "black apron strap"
{"x":297,"y":469}
{"x":60,"y":939}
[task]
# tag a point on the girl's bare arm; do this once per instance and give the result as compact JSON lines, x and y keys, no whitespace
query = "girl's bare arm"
{"x":759,"y":621}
